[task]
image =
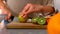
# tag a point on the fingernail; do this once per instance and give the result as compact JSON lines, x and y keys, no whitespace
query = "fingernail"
{"x":22,"y":15}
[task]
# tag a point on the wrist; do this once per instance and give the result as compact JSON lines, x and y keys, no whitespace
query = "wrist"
{"x":41,"y":7}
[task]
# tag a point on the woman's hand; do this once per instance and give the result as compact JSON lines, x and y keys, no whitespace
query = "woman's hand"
{"x":5,"y":10}
{"x":29,"y":8}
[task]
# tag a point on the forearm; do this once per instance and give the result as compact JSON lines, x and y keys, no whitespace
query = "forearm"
{"x":44,"y":7}
{"x":48,"y":9}
{"x":5,"y":9}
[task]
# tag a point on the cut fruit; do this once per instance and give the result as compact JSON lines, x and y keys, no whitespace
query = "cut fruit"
{"x":21,"y":19}
{"x":41,"y":20}
{"x":34,"y":20}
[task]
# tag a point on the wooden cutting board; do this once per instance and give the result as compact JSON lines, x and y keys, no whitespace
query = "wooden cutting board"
{"x":25,"y":26}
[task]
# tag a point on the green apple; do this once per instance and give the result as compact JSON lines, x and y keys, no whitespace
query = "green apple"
{"x":21,"y":19}
{"x":41,"y":20}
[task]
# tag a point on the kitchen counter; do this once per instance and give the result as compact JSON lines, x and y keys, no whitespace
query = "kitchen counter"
{"x":25,"y":26}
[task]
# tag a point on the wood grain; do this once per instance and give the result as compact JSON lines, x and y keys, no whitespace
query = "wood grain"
{"x":25,"y":26}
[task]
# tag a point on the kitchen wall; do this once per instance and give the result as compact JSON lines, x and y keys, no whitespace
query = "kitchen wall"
{"x":57,"y":4}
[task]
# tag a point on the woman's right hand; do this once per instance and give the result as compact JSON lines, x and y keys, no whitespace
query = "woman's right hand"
{"x":29,"y":8}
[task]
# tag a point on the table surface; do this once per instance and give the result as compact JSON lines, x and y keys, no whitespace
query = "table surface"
{"x":25,"y":26}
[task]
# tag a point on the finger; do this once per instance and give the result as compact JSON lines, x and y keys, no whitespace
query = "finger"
{"x":27,"y":13}
{"x":24,"y":16}
{"x":8,"y":16}
{"x":21,"y":14}
{"x":26,"y":8}
{"x":30,"y":10}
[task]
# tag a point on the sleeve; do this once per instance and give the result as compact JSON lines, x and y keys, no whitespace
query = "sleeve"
{"x":51,"y":3}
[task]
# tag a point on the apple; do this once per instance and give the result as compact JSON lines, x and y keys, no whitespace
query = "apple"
{"x":21,"y":19}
